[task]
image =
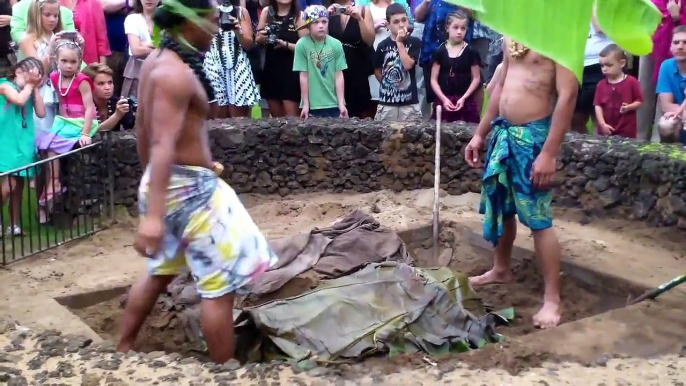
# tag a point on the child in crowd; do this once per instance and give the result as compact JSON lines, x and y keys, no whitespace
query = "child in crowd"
{"x":138,"y":27}
{"x":320,"y":60}
{"x":394,"y":67}
{"x":618,"y":96}
{"x":76,"y":121}
{"x":42,"y":26}
{"x":20,"y":98}
{"x":455,"y":74}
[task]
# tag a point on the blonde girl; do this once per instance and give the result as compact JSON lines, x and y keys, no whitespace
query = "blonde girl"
{"x":76,"y":122}
{"x":42,"y":24}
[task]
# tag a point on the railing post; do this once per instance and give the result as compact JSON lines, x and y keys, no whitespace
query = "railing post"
{"x":110,"y":176}
{"x":82,"y":174}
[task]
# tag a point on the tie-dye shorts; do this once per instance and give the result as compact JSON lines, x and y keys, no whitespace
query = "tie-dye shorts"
{"x":208,"y":230}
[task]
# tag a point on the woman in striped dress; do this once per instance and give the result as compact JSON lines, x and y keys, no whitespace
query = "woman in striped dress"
{"x":228,"y":68}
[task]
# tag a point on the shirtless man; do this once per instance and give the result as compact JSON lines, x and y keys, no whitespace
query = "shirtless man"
{"x":520,"y":164}
{"x":189,"y":217}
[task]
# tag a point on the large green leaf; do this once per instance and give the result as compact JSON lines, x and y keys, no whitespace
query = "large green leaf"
{"x":558,"y":29}
{"x":630,"y":26}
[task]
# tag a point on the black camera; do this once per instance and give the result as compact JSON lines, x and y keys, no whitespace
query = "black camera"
{"x":133,"y":104}
{"x":272,"y":30}
{"x":228,"y":16}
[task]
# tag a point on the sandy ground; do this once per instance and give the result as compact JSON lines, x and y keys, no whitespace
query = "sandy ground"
{"x":584,"y":352}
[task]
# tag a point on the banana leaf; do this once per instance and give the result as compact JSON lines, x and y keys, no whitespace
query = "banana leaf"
{"x":386,"y":308}
{"x":558,"y":29}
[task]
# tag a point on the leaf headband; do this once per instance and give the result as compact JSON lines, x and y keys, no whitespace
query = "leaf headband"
{"x":191,"y":14}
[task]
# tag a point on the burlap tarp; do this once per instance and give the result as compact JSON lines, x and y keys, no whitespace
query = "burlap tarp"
{"x":357,"y":295}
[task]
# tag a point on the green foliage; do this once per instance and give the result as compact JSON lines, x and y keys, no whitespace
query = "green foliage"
{"x":559,"y":29}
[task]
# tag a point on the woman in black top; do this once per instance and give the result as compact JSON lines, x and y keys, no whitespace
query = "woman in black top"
{"x":355,"y":30}
{"x":113,"y":113}
{"x":277,"y":32}
{"x":7,"y":54}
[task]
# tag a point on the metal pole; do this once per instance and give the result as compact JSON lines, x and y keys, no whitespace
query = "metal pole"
{"x":437,"y":183}
{"x":110,"y":177}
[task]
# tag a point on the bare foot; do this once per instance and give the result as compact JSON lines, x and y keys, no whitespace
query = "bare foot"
{"x":549,"y":315}
{"x":491,"y":277}
{"x":124,"y":347}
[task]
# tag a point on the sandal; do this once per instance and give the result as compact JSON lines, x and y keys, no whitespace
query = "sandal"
{"x":49,"y":196}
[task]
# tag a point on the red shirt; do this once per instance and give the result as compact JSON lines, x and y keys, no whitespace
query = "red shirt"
{"x":611,"y":96}
{"x":89,"y":20}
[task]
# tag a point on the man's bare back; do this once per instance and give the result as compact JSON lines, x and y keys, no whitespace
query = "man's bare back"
{"x":169,"y":90}
{"x":528,"y":88}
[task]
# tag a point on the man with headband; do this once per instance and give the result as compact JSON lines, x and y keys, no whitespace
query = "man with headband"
{"x":188,"y":216}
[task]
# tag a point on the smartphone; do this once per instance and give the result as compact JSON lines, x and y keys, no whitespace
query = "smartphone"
{"x":69,"y":35}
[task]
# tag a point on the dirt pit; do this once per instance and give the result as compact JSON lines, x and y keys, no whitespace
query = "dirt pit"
{"x":586,"y":293}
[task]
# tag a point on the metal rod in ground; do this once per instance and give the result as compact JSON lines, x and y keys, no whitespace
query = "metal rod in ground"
{"x":655,"y":292}
{"x":437,"y":183}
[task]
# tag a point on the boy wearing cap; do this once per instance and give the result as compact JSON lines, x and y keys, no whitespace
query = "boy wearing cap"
{"x":320,"y":60}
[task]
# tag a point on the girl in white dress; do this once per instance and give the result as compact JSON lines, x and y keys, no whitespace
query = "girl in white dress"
{"x":138,"y":27}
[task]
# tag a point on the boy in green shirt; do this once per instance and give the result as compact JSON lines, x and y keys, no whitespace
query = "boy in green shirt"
{"x":320,"y":60}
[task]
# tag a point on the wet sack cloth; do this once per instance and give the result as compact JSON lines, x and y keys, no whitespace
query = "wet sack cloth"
{"x":385,"y":308}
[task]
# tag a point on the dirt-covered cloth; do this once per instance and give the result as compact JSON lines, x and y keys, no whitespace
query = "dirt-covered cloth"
{"x":303,"y":261}
{"x":343,"y":292}
{"x":348,"y":244}
{"x":384,"y":308}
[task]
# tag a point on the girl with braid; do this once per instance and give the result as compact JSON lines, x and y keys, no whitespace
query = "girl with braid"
{"x":75,"y":122}
{"x":189,"y":217}
{"x":20,"y":97}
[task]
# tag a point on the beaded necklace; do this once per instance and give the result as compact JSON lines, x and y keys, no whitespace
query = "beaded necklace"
{"x":59,"y":84}
{"x":517,"y":53}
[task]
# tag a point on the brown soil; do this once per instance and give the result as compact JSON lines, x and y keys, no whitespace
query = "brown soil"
{"x":162,"y":333}
{"x":631,"y":250}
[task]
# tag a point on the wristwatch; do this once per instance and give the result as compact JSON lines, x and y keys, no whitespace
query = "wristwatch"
{"x":675,"y":20}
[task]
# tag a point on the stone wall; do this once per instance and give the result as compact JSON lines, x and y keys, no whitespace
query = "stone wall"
{"x":602,"y":176}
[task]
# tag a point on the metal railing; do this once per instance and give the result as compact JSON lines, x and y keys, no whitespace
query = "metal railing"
{"x":33,"y":220}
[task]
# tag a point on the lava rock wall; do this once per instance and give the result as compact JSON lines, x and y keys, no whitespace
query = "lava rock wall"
{"x":602,"y":176}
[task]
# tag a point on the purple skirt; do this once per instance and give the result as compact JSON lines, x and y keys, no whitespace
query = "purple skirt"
{"x":468,"y":113}
{"x":55,"y":143}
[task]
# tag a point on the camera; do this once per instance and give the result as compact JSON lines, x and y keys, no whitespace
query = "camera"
{"x":133,"y":104}
{"x":70,"y":35}
{"x":338,"y":10}
{"x":228,"y":16}
{"x":272,"y":31}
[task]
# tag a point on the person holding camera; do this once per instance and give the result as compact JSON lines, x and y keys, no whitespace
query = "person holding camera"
{"x":227,"y":64}
{"x":277,"y":31}
{"x":354,"y":27}
{"x":112,"y":112}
